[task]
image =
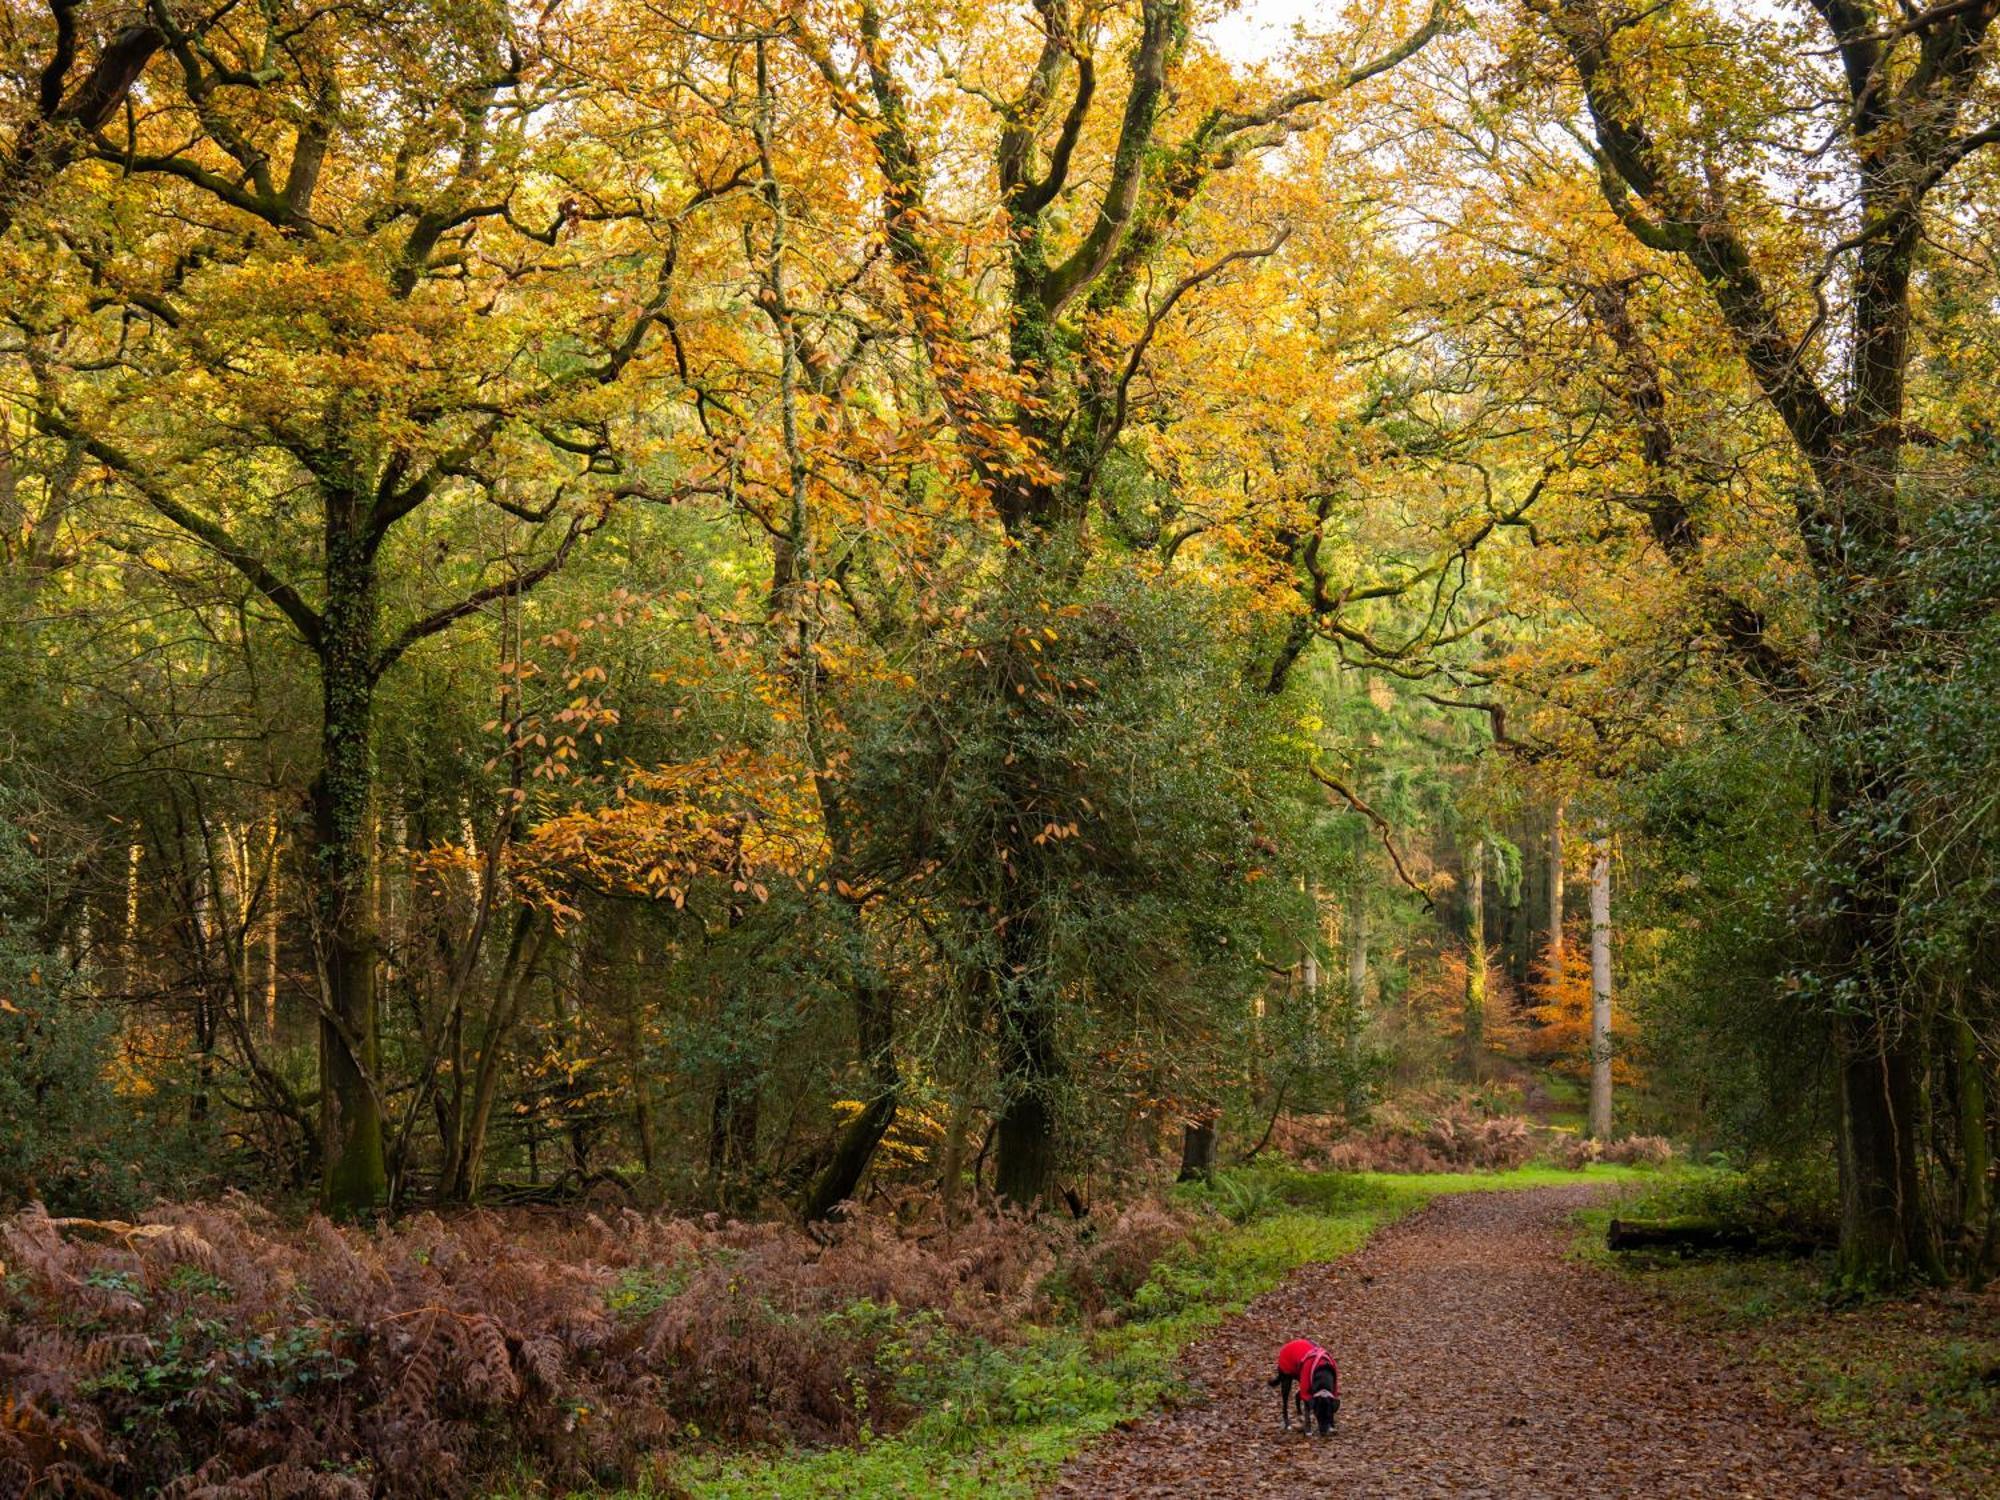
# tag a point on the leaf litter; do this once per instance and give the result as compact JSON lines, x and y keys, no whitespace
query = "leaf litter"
{"x":1477,"y":1360}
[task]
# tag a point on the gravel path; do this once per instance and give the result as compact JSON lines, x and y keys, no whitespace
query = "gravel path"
{"x":1476,"y":1361}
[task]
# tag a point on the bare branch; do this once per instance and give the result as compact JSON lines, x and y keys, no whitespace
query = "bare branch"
{"x":205,"y":529}
{"x":443,"y":619}
{"x":1334,"y":784}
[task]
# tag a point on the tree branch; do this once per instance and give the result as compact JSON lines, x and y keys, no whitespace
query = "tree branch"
{"x":1144,"y":342}
{"x":210,"y":532}
{"x":1701,"y":231}
{"x":443,"y":619}
{"x":1334,"y":784}
{"x":1162,"y":34}
{"x":44,"y":144}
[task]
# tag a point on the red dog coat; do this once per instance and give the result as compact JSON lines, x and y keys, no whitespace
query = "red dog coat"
{"x":1301,"y":1359}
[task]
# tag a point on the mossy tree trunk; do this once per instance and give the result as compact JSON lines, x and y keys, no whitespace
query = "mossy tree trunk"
{"x":354,"y":1170}
{"x":1557,"y":894}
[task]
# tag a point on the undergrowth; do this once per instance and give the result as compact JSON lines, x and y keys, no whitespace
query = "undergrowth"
{"x":209,"y":1352}
{"x":999,"y":1421}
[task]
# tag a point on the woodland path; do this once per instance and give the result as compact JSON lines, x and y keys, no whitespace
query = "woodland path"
{"x":1476,"y":1361}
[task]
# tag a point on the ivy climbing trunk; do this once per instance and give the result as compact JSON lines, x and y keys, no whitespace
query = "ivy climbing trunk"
{"x":1910,"y":90}
{"x":354,"y":1170}
{"x":1885,"y":1228}
{"x":1038,"y":436}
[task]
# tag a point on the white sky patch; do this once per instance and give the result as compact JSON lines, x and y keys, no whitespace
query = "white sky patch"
{"x":1257,"y":31}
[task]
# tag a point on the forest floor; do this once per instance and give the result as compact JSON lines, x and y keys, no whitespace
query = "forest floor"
{"x":1478,"y":1358}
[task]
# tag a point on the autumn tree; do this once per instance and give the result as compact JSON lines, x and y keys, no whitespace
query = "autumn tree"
{"x":1901,"y":116}
{"x":315,"y":306}
{"x":1099,"y":145}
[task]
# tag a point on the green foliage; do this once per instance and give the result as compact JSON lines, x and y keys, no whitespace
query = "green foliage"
{"x":1730,"y":1039}
{"x":642,"y":1290}
{"x":1791,"y":1197}
{"x":69,"y":1140}
{"x":1089,"y":787}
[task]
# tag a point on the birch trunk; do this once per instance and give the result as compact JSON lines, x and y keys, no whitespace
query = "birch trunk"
{"x":1600,"y":989}
{"x":1354,"y":1012}
{"x":1311,"y":966}
{"x":271,"y":936}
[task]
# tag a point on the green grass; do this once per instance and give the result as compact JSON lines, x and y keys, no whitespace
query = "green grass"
{"x":1915,"y":1380}
{"x":1002,"y":1421}
{"x":1569,"y":1099}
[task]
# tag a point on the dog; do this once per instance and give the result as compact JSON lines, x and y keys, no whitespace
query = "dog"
{"x":1303,"y":1364}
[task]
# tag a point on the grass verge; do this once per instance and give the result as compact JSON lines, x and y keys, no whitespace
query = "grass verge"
{"x":999,"y":1421}
{"x":1914,"y":1379}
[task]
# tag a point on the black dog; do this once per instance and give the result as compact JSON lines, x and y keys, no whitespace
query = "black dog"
{"x":1304,"y":1364}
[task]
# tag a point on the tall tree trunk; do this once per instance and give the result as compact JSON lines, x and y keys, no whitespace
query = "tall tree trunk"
{"x":1354,"y":1004}
{"x":197,"y":879}
{"x":461,"y":1176}
{"x":1025,"y":1133}
{"x":732,"y":1132}
{"x":1600,"y":989}
{"x":1198,"y":1149}
{"x":1556,"y":894}
{"x":1517,"y":935}
{"x":1975,"y":1149}
{"x":1851,"y":528}
{"x":645,"y":1126}
{"x":1310,"y":964}
{"x":951,"y":1170}
{"x":1881,"y":1222}
{"x":354,"y":1168}
{"x":128,"y":948}
{"x":271,"y":896}
{"x":793,"y":597}
{"x":1475,"y":956}
{"x":1886,"y":1230}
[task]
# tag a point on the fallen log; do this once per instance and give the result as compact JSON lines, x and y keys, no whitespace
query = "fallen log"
{"x":1679,"y":1234}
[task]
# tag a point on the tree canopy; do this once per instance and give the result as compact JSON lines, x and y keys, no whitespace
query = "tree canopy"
{"x":732,"y":602}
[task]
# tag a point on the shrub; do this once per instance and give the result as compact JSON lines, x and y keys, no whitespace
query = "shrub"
{"x":1110,"y":1266}
{"x":208,"y":1351}
{"x":1452,"y":1134}
{"x":1463,"y":1138}
{"x":1638,"y":1150}
{"x":1386,"y":1151}
{"x":1790,"y":1198}
{"x":1578,"y":1152}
